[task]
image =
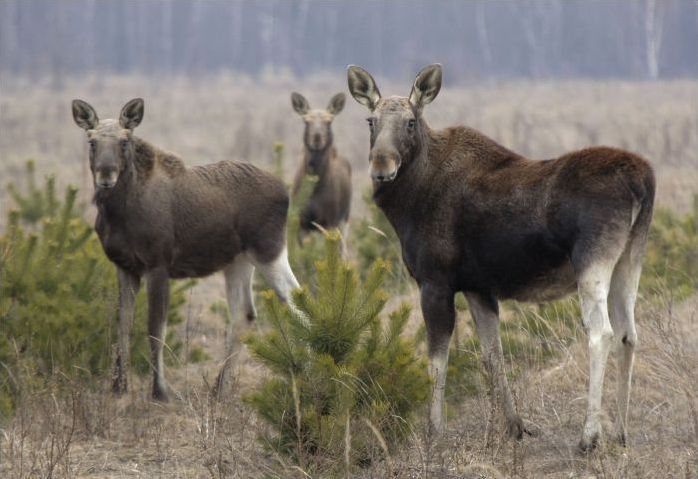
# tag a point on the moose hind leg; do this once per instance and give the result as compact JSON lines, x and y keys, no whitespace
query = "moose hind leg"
{"x":593,"y":286}
{"x":622,"y":297}
{"x":238,"y":288}
{"x":344,"y":233}
{"x":128,"y":289}
{"x":279,"y":275}
{"x":486,"y":316}
{"x":158,"y":303}
{"x":439,"y":316}
{"x":248,"y":295}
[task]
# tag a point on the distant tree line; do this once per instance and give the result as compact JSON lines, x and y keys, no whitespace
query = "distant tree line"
{"x":501,"y":39}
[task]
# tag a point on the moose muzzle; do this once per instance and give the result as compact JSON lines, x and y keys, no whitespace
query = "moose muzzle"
{"x":384,"y":166}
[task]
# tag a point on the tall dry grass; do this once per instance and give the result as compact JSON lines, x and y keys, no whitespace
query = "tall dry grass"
{"x":234,"y":117}
{"x":67,"y":430}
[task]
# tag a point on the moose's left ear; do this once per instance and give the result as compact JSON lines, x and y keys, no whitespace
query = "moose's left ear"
{"x":132,"y":114}
{"x":426,"y":85}
{"x":336,"y":104}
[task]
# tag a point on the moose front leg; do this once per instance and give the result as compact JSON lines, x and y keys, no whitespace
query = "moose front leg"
{"x":129,"y":285}
{"x":158,"y":302}
{"x":485,"y":312}
{"x":439,"y":316}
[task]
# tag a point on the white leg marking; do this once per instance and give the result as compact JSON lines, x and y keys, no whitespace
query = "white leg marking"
{"x":161,"y":361}
{"x":279,"y":275}
{"x":128,"y":289}
{"x":487,"y":325}
{"x":438,"y":367}
{"x":622,"y":296}
{"x":344,"y":231}
{"x":238,"y":283}
{"x":248,"y":295}
{"x":593,"y":293}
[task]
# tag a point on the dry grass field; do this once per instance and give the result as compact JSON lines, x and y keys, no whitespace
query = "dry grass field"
{"x":230,"y":117}
{"x":67,"y":430}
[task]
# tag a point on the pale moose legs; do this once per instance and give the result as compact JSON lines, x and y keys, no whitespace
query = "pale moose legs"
{"x":607,"y":288}
{"x":485,"y":313}
{"x":238,"y":281}
{"x":439,"y":316}
{"x":158,"y":301}
{"x":606,"y":281}
{"x":158,"y":304}
{"x":238,"y":289}
{"x":129,"y":285}
{"x":622,"y":297}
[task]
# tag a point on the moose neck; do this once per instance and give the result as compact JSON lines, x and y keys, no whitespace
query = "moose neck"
{"x":316,"y":161}
{"x":402,"y":194}
{"x":112,"y":204}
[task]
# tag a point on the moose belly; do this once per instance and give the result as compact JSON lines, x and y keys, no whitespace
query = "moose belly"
{"x":203,"y":259}
{"x":534,"y":266}
{"x":546,"y":285}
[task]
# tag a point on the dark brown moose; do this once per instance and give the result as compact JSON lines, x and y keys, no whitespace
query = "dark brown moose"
{"x":330,"y":201}
{"x":474,"y":217}
{"x":158,"y":219}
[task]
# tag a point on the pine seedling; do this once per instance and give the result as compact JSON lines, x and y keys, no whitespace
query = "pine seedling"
{"x":336,"y":369}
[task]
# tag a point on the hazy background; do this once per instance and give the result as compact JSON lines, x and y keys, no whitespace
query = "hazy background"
{"x":476,"y":40}
{"x":542,"y":77}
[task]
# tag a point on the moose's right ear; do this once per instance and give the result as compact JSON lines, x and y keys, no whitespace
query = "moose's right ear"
{"x":363,"y":87}
{"x":300,"y":104}
{"x":84,"y":115}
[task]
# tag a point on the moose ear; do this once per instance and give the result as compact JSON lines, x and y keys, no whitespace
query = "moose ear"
{"x":363,"y":87}
{"x":336,"y":104}
{"x":84,"y":115}
{"x":131,"y":114}
{"x":426,"y":86}
{"x":300,"y":104}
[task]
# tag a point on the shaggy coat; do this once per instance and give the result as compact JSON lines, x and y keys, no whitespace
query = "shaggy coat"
{"x":475,"y":217}
{"x":330,"y":202}
{"x":158,"y":219}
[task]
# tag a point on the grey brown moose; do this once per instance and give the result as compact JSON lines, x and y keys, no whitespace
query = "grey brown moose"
{"x":158,"y":219}
{"x":330,"y":201}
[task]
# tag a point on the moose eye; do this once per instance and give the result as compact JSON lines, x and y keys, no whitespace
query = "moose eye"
{"x":411,"y":123}
{"x":371,"y":122}
{"x":92,"y":144}
{"x":124,"y":144}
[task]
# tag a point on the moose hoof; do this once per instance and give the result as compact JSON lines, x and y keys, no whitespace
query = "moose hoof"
{"x":223,"y":386}
{"x":589,"y":444}
{"x":435,"y":430}
{"x":160,"y":394}
{"x":516,"y":428}
{"x":621,"y":439}
{"x":119,"y":387}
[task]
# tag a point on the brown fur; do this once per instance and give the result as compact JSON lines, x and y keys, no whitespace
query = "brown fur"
{"x":192,"y":221}
{"x":158,"y":219}
{"x":475,"y":217}
{"x":330,"y":202}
